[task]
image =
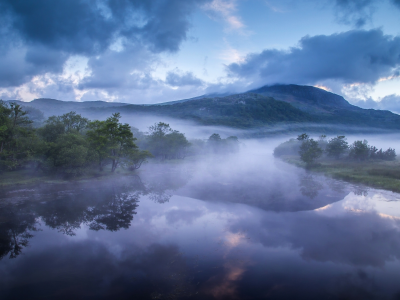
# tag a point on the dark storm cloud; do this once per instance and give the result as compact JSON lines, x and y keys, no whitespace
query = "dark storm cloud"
{"x":348,"y":57}
{"x":177,"y":79}
{"x":355,"y":12}
{"x":84,"y":27}
{"x":19,"y":65}
{"x":73,"y":26}
{"x":396,"y":2}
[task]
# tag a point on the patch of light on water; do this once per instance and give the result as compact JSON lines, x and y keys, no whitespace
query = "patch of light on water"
{"x":384,"y":203}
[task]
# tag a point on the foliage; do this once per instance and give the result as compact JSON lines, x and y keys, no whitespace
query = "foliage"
{"x":290,"y":147}
{"x":69,"y":154}
{"x":17,"y":137}
{"x":389,"y":154}
{"x":309,"y":151}
{"x":218,"y":145}
{"x":112,"y":140}
{"x":165,"y":143}
{"x":359,"y":150}
{"x":67,"y":144}
{"x":302,"y":137}
{"x":337,"y":146}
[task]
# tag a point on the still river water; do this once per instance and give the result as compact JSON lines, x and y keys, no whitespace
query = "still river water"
{"x":244,"y":226}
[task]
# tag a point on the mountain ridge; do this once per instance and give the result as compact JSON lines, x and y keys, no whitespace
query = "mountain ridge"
{"x":265,"y":106}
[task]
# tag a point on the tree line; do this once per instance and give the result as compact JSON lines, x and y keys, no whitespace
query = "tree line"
{"x":71,"y":144}
{"x":337,"y":148}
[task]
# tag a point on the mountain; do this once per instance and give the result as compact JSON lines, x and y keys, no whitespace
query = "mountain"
{"x":52,"y":107}
{"x":306,"y":98}
{"x":266,"y":107}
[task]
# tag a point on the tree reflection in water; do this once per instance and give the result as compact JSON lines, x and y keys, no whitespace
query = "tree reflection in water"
{"x":108,"y":205}
{"x":310,"y":187}
{"x":16,"y":224}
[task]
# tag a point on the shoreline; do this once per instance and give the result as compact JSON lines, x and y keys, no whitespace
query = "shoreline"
{"x":375,"y":174}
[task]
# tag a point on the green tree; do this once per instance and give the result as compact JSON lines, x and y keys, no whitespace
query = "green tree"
{"x":165,"y":143}
{"x":290,"y":147}
{"x":309,"y":151}
{"x":112,"y":141}
{"x":73,"y":122}
{"x":69,"y":154}
{"x":176,"y":145}
{"x":136,"y":158}
{"x":16,"y":136}
{"x":67,"y":123}
{"x":359,"y":150}
{"x":337,"y":146}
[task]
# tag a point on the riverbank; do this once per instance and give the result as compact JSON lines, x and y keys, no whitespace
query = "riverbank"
{"x":30,"y":177}
{"x":373,"y":173}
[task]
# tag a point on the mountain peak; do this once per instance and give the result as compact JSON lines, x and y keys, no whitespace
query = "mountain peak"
{"x":303,"y":96}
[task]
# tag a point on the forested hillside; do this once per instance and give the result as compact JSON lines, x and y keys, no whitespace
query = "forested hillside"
{"x":264,"y":107}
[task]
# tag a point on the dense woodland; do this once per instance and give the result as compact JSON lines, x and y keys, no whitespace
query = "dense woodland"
{"x":72,"y":145}
{"x":336,"y":148}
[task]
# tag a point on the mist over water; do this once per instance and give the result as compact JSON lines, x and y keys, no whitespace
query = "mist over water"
{"x":239,"y":226}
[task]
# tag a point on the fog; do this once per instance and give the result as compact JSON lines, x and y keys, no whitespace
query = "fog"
{"x":210,"y":226}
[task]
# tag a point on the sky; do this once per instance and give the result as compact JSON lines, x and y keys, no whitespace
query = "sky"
{"x":142,"y":51}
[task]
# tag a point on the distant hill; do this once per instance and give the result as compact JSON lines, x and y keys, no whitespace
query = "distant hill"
{"x":52,"y":107}
{"x":268,"y":106}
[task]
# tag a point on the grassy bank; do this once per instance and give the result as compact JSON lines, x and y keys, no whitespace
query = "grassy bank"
{"x":373,"y":173}
{"x":30,"y":177}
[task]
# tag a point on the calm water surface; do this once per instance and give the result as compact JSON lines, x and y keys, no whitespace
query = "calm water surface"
{"x":244,"y":226}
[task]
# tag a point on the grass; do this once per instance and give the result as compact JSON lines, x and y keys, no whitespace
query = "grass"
{"x":29,"y":177}
{"x":373,"y":173}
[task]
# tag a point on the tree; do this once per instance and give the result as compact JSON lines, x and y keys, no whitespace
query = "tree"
{"x":69,"y":154}
{"x":389,"y":154}
{"x":214,"y":143}
{"x":111,"y":140}
{"x":73,"y":122}
{"x":67,"y":123}
{"x":359,"y":150}
{"x":290,"y":147}
{"x":309,"y":151}
{"x":16,"y":136}
{"x":232,"y":144}
{"x":98,"y":141}
{"x":337,"y":146}
{"x":156,"y":139}
{"x":176,"y":145}
{"x":136,"y":158}
{"x":165,"y":143}
{"x":302,"y":137}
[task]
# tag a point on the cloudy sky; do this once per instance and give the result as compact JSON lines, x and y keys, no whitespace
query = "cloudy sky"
{"x":149,"y":51}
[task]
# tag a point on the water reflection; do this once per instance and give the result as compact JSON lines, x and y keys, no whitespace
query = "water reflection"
{"x":309,"y":186}
{"x":201,"y":233}
{"x":16,"y":224}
